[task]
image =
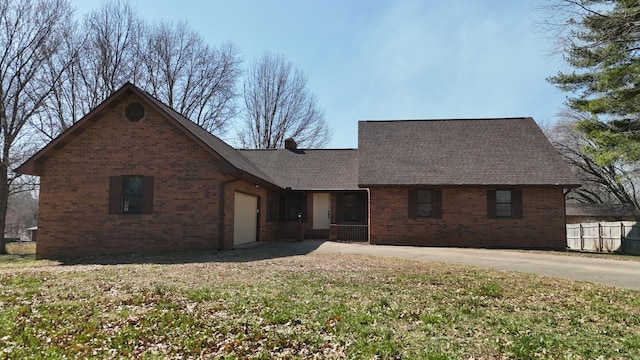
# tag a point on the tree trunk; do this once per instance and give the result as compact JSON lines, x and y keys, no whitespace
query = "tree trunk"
{"x":4,"y":196}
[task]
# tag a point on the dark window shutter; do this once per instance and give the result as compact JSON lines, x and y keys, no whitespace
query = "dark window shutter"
{"x":436,"y":204}
{"x":413,"y":205}
{"x":339,"y":207}
{"x":282,"y":213}
{"x":516,"y":204}
{"x":303,"y":207}
{"x":491,"y":204}
{"x":147,"y":195}
{"x":115,"y":193}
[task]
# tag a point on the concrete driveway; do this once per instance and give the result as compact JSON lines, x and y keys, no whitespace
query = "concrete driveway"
{"x":619,"y":273}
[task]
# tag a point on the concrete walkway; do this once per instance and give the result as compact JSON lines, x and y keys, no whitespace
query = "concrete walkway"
{"x":619,"y":273}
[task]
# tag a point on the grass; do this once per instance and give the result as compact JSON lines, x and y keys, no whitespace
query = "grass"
{"x":21,"y":248}
{"x":238,"y":305}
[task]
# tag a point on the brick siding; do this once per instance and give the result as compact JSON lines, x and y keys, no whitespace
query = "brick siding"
{"x":73,"y":214}
{"x":464,"y":220}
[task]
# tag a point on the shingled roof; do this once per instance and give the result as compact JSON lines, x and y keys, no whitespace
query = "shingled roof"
{"x":301,"y":169}
{"x":508,"y":151}
{"x":601,"y":210}
{"x":230,"y":154}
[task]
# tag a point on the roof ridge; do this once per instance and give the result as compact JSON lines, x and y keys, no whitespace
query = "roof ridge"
{"x":450,"y":119}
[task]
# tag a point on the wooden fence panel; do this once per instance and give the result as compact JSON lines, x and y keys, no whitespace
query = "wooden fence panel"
{"x":574,"y":236}
{"x":611,"y":235}
{"x":618,"y":236}
{"x":591,"y":237}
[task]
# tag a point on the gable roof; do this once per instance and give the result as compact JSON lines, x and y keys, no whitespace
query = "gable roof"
{"x":302,"y":169}
{"x":234,"y":161}
{"x":508,"y":151}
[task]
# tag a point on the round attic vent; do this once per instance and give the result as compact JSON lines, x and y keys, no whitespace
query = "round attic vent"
{"x":134,"y":111}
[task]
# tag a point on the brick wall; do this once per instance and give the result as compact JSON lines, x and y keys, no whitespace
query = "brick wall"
{"x":73,"y":215}
{"x":464,"y":220}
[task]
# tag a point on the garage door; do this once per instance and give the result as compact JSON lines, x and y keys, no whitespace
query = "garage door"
{"x":245,"y":219}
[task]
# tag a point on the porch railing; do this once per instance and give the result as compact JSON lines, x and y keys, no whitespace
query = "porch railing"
{"x":341,"y":232}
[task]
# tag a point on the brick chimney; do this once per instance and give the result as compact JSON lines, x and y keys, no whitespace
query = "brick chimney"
{"x":290,"y":144}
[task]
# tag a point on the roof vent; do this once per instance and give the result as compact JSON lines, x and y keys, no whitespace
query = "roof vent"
{"x":290,"y":144}
{"x":134,"y":112}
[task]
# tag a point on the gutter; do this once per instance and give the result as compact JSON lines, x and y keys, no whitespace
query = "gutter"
{"x":223,"y":185}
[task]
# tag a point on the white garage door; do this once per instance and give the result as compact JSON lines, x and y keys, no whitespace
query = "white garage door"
{"x":245,"y":219}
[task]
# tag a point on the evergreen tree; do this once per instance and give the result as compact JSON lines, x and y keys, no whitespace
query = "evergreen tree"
{"x":601,"y":43}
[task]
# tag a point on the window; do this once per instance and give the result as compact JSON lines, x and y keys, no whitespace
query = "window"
{"x":503,"y":203}
{"x":352,"y":207}
{"x":425,"y":203}
{"x":130,"y":195}
{"x":293,"y":204}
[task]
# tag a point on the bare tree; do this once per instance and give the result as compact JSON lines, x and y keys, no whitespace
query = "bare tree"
{"x":172,"y":62}
{"x":32,"y":33}
{"x":609,"y":183}
{"x":104,"y":56}
{"x":22,"y":213}
{"x":191,"y":77}
{"x":278,"y":106}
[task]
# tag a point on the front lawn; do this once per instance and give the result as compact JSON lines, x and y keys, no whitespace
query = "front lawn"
{"x":306,"y":306}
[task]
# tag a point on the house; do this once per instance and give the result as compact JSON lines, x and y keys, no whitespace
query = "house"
{"x":476,"y":183}
{"x":133,"y":175}
{"x":584,"y":213}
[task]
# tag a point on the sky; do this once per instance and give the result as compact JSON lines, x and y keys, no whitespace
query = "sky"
{"x":390,"y":59}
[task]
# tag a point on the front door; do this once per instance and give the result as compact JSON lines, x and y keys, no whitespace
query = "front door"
{"x":245,"y":218}
{"x":321,"y":211}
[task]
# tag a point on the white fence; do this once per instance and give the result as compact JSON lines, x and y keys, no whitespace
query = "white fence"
{"x":618,"y":236}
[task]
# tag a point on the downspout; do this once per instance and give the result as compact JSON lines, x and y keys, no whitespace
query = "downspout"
{"x":564,"y":206}
{"x":223,"y":185}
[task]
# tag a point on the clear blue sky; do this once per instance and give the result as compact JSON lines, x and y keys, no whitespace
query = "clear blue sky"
{"x":390,"y":59}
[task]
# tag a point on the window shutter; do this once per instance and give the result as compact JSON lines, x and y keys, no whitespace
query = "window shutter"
{"x":516,"y":204}
{"x":303,"y":207}
{"x":147,"y":195}
{"x":115,"y":193}
{"x":413,"y":204}
{"x":491,"y":204}
{"x":339,"y":207}
{"x":437,"y":204}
